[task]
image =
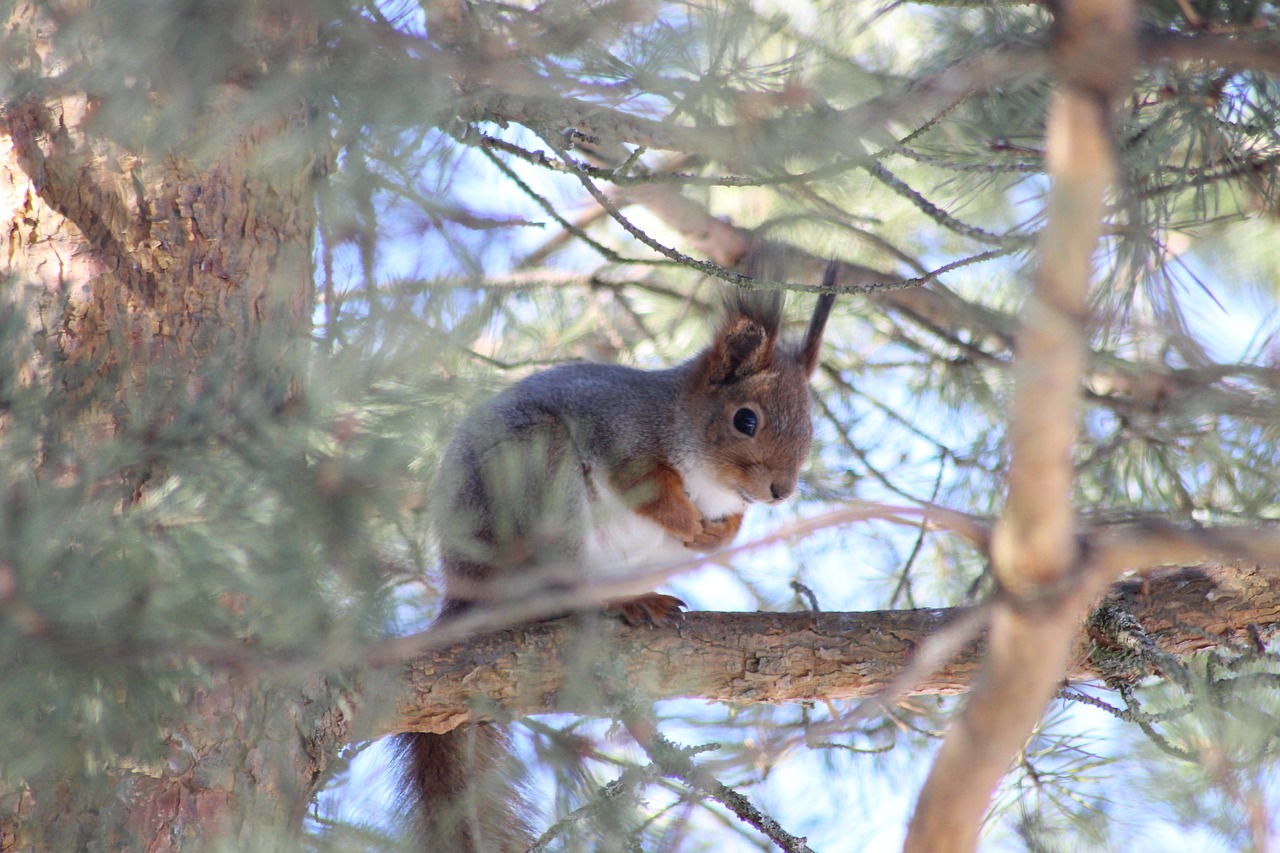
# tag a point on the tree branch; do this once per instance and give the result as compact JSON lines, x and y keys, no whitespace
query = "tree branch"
{"x":848,"y":131}
{"x":776,"y":657}
{"x":1226,"y":51}
{"x":1034,"y":547}
{"x":73,"y":182}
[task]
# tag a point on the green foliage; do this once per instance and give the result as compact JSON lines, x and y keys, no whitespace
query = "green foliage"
{"x":256,"y":535}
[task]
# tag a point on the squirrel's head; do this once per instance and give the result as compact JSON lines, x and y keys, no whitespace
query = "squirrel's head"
{"x":749,"y":395}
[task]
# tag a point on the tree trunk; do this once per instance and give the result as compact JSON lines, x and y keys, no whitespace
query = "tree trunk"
{"x":147,"y":281}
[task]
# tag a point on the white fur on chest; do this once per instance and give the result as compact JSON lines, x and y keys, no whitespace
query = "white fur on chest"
{"x":708,"y":494}
{"x":620,"y":540}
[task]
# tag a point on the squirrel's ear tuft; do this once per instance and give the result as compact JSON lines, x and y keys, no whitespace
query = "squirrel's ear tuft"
{"x":811,"y":347}
{"x":748,"y":338}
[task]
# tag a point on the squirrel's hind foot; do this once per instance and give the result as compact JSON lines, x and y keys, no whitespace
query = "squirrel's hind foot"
{"x":652,"y":608}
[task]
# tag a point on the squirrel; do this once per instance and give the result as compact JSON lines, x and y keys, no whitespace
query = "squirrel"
{"x":587,"y":471}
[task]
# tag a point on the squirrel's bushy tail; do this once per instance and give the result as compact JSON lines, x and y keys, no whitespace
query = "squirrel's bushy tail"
{"x":463,"y":791}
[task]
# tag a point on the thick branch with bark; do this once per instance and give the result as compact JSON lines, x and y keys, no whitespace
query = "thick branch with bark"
{"x":1034,"y":546}
{"x":778,"y":657}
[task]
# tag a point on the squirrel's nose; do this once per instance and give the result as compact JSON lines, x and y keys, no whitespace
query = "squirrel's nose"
{"x":781,"y":490}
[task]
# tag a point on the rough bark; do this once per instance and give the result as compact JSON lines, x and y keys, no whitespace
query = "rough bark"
{"x":148,"y":280}
{"x":779,"y":657}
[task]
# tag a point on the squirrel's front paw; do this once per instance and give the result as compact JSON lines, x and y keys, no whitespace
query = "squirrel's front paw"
{"x":715,"y":533}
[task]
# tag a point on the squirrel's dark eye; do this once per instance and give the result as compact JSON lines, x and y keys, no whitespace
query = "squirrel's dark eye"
{"x":745,"y":420}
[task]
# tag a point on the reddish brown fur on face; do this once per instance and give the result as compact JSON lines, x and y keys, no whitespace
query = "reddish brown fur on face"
{"x":743,"y":348}
{"x":747,"y":340}
{"x":764,"y":466}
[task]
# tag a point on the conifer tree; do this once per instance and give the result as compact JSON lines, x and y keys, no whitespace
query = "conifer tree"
{"x":261,"y":258}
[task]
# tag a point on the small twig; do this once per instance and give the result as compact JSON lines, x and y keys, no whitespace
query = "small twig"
{"x":1126,"y":715}
{"x":1149,"y":730}
{"x":937,"y":214}
{"x":677,"y":762}
{"x":807,"y":594}
{"x":623,"y":787}
{"x":550,"y":208}
{"x":979,"y":258}
{"x":904,"y":577}
{"x":602,"y":199}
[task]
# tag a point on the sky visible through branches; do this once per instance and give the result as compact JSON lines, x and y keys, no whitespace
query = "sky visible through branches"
{"x":931,"y":445}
